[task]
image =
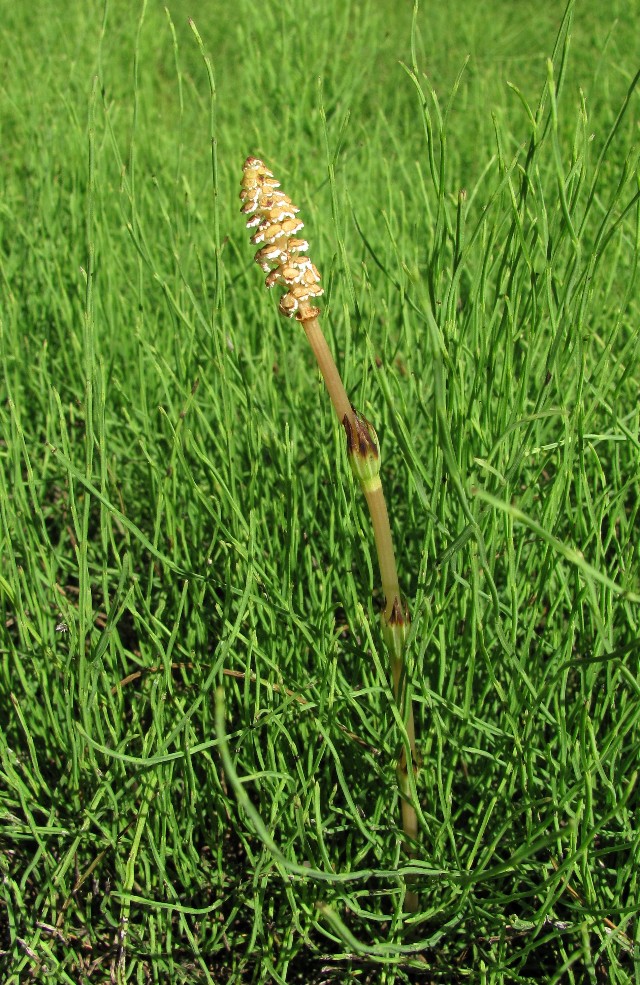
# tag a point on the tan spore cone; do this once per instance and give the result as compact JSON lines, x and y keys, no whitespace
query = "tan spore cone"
{"x":275,"y":216}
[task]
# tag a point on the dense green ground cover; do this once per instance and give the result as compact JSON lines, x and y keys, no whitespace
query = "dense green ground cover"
{"x":177,"y":514}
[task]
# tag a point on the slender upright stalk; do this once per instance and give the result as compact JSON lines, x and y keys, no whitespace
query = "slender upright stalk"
{"x":274,"y":216}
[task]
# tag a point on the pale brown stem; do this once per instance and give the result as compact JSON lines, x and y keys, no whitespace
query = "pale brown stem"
{"x":384,"y":546}
{"x":328,"y":368}
{"x":388,"y":572}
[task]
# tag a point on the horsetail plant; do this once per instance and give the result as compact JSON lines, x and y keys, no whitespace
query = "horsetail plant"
{"x":274,"y":218}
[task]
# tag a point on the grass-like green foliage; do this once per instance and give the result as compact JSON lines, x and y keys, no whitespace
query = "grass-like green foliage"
{"x":197,"y":728}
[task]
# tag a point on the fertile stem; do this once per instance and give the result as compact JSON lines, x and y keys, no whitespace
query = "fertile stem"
{"x":275,"y":217}
{"x":328,"y":368}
